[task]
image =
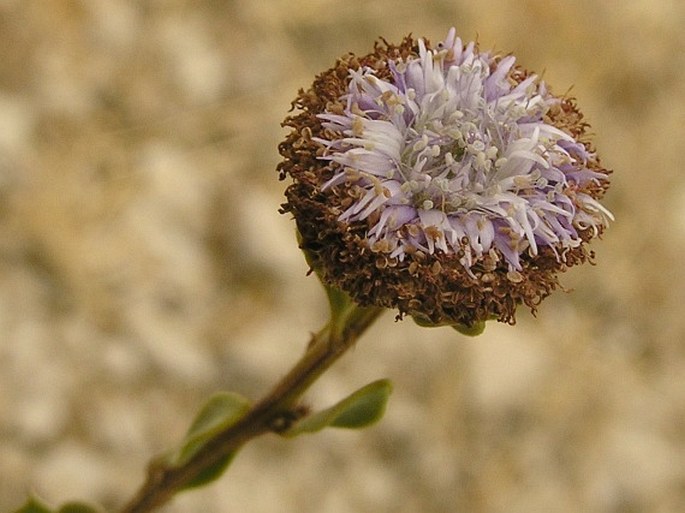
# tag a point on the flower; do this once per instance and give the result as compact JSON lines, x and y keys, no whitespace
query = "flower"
{"x":445,"y":182}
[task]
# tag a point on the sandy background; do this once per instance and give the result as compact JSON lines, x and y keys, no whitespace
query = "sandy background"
{"x":143,"y":265}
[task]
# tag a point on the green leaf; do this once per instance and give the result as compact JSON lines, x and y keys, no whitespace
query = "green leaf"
{"x":470,"y":331}
{"x":33,"y":505}
{"x":365,"y":407}
{"x":78,"y":507}
{"x":221,"y":411}
{"x":212,"y":473}
{"x":423,"y":321}
{"x":358,"y":410}
{"x":340,"y":303}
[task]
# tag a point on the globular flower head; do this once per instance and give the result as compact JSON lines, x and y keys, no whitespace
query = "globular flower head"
{"x":445,"y":182}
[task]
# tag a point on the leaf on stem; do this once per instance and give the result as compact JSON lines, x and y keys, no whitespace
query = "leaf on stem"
{"x":360,"y":409}
{"x":470,"y":331}
{"x":211,"y":473}
{"x":33,"y":505}
{"x":220,"y":412}
{"x":78,"y":507}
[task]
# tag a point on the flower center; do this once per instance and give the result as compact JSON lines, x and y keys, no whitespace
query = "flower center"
{"x":446,"y":166}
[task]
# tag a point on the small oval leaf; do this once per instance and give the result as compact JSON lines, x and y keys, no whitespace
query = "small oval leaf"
{"x":365,"y":407}
{"x":78,"y":507}
{"x":33,"y":505}
{"x":360,"y":409}
{"x":212,"y":473}
{"x":470,"y":331}
{"x":311,"y":424}
{"x":221,"y":411}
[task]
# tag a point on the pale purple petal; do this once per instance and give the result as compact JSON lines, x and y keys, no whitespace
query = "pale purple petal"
{"x":453,"y":157}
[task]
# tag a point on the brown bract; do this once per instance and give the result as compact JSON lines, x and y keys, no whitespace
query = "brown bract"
{"x":434,"y":288}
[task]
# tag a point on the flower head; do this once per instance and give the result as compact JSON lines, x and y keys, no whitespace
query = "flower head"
{"x":446,"y":182}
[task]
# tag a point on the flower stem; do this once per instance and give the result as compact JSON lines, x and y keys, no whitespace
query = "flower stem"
{"x":165,"y":480}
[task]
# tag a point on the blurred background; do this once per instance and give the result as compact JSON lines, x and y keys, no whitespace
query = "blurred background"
{"x":144,"y":265}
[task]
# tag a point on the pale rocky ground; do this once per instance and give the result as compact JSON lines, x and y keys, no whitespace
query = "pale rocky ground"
{"x":143,"y":265}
